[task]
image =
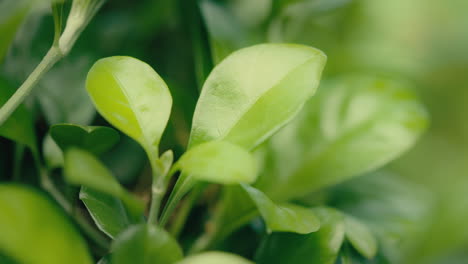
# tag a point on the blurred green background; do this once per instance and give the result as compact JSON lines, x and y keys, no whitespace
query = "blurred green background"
{"x":425,"y":41}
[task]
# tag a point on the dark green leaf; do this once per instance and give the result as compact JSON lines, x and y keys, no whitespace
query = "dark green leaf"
{"x":19,"y":126}
{"x":145,"y":244}
{"x":35,"y":231}
{"x":94,"y":139}
{"x":319,"y":247}
{"x":283,"y":217}
{"x":108,"y":212}
{"x":82,"y":168}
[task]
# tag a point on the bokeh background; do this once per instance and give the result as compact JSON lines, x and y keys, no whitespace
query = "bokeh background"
{"x":424,"y":41}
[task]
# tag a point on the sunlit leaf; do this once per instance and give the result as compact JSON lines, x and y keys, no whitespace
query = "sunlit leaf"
{"x":355,"y":124}
{"x":214,"y":257}
{"x":145,"y":244}
{"x":219,"y":162}
{"x":254,"y":92}
{"x":132,"y":97}
{"x":35,"y":231}
{"x":283,"y":217}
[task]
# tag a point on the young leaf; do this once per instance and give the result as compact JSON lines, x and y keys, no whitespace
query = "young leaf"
{"x":19,"y":126}
{"x":35,"y":231}
{"x":53,"y":155}
{"x":82,"y":168}
{"x":145,"y":244}
{"x":130,"y":95}
{"x":319,"y":247}
{"x":254,"y":92}
{"x":354,"y":124}
{"x":219,"y":162}
{"x":214,"y":257}
{"x":108,"y":212}
{"x":360,"y":237}
{"x":283,"y":217}
{"x":94,"y":139}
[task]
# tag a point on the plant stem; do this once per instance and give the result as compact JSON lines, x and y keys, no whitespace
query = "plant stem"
{"x":157,"y":193}
{"x":184,"y":211}
{"x":52,"y":56}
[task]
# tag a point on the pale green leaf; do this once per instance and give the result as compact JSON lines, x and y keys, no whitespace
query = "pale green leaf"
{"x":254,"y":92}
{"x":284,"y":217}
{"x":35,"y":231}
{"x":355,"y":124}
{"x":360,"y":237}
{"x":214,"y":257}
{"x":130,"y":95}
{"x":145,"y":244}
{"x":219,"y":162}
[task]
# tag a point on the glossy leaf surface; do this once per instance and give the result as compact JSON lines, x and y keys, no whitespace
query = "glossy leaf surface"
{"x":145,"y":244}
{"x":214,"y":257}
{"x":108,"y":212}
{"x":319,"y":247}
{"x":254,"y":92}
{"x":355,"y":124}
{"x":130,"y":95}
{"x":283,"y":217}
{"x":94,"y":139}
{"x":34,"y":230}
{"x":219,"y":162}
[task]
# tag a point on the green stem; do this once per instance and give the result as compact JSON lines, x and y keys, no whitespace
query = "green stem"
{"x":184,"y":211}
{"x":157,"y":193}
{"x":52,"y":56}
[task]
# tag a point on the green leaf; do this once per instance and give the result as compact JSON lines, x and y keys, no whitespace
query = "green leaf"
{"x":283,"y":217}
{"x":82,"y":168}
{"x":35,"y":231}
{"x":145,"y":244}
{"x":214,"y":257}
{"x":219,"y":162}
{"x":108,"y":212}
{"x":319,"y":247}
{"x":355,"y":124}
{"x":360,"y":237}
{"x":94,"y":139}
{"x":254,"y":92}
{"x":130,"y":95}
{"x":53,"y":155}
{"x":19,"y":126}
{"x":12,"y":14}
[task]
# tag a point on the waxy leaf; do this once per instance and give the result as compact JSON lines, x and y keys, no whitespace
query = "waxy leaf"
{"x":145,"y":244}
{"x":94,"y":139}
{"x":214,"y":257}
{"x":254,"y":92}
{"x":319,"y":247}
{"x":34,"y":230}
{"x":130,"y":95}
{"x":360,"y":237}
{"x":82,"y":168}
{"x":108,"y":212}
{"x":19,"y":126}
{"x":354,"y":124}
{"x":283,"y":217}
{"x":219,"y":162}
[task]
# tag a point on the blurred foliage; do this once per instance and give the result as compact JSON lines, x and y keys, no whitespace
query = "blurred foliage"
{"x":420,"y":199}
